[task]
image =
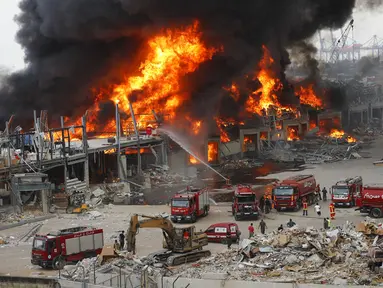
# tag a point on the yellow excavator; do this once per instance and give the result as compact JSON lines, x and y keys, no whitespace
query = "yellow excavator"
{"x":182,"y":244}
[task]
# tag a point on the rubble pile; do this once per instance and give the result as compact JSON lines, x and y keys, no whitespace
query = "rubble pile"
{"x":161,"y":176}
{"x":312,"y":151}
{"x":9,"y":218}
{"x":240,"y":164}
{"x":118,"y":192}
{"x":307,"y":255}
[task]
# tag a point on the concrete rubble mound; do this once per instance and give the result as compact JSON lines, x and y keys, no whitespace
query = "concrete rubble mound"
{"x":295,"y":255}
{"x":8,"y":218}
{"x":161,"y":176}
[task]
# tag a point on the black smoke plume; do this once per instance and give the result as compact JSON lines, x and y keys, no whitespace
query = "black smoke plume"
{"x":75,"y":46}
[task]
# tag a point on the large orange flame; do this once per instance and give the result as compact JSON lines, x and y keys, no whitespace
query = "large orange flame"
{"x":156,"y":86}
{"x":265,"y":97}
{"x":171,"y":56}
{"x":307,"y":96}
{"x":336,"y":133}
{"x":212,"y":151}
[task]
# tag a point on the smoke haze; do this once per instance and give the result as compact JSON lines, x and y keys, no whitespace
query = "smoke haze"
{"x":73,"y":47}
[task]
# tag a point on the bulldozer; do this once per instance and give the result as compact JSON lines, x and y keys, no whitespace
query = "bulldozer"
{"x":76,"y":203}
{"x":182,"y":244}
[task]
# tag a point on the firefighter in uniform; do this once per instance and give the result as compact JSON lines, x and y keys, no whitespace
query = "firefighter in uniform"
{"x":332,"y":211}
{"x":305,"y":206}
{"x":317,"y":192}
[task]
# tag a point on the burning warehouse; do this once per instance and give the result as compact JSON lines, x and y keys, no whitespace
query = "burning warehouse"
{"x":206,"y":69}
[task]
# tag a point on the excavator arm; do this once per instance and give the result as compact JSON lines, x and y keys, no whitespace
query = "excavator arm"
{"x":149,"y":222}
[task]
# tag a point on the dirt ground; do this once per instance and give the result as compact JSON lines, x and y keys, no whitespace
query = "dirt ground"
{"x":15,"y":257}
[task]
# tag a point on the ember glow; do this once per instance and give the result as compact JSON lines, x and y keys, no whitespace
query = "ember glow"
{"x":212,"y":151}
{"x":222,"y":124}
{"x":234,"y":91}
{"x":192,"y":160}
{"x":312,"y":124}
{"x":292,"y":133}
{"x":247,"y":139}
{"x":196,"y":127}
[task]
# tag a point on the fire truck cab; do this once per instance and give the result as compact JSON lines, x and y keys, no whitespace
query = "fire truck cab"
{"x":290,"y":192}
{"x":371,"y":201}
{"x":346,"y":191}
{"x":55,"y":250}
{"x":190,"y":204}
{"x":245,"y":203}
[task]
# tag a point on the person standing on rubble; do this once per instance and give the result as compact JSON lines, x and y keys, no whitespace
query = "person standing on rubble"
{"x":280,"y":228}
{"x":116,"y":246}
{"x":317,"y":209}
{"x":305,"y":205}
{"x":332,"y":211}
{"x":262,"y":226}
{"x":290,"y":224}
{"x":324,"y":192}
{"x":325,"y":224}
{"x":251,"y":230}
{"x":317,"y":192}
{"x":122,"y":240}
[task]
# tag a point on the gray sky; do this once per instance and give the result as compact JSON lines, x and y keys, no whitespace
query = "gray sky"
{"x":366,"y":25}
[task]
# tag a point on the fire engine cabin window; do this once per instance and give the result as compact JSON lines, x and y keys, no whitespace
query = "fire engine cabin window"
{"x":51,"y":245}
{"x":180,"y":203}
{"x":283,"y":191}
{"x":220,"y":230}
{"x":245,"y":199}
{"x":233,"y":229}
{"x":340,"y":190}
{"x":358,"y":189}
{"x":210,"y":230}
{"x":39,"y":244}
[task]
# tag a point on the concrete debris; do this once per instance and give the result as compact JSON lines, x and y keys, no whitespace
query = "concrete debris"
{"x":94,"y":215}
{"x":160,"y":176}
{"x":313,"y":150}
{"x":8,"y":218}
{"x":117,"y":193}
{"x":240,"y":164}
{"x":369,"y":227}
{"x":3,"y":241}
{"x":305,"y":255}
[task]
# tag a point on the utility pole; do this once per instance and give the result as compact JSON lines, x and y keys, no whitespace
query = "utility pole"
{"x":64,"y":153}
{"x":85,"y":149}
{"x":138,"y":139}
{"x":118,"y":141}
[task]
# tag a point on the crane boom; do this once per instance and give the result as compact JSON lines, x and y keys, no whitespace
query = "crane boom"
{"x":341,"y":42}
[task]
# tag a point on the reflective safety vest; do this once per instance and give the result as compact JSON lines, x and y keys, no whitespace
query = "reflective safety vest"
{"x":304,"y":205}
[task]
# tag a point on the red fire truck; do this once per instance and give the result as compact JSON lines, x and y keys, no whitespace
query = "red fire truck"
{"x":345,"y":192}
{"x":66,"y":246}
{"x":371,"y":200}
{"x":245,"y":204}
{"x":290,"y":192}
{"x":189,"y":204}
